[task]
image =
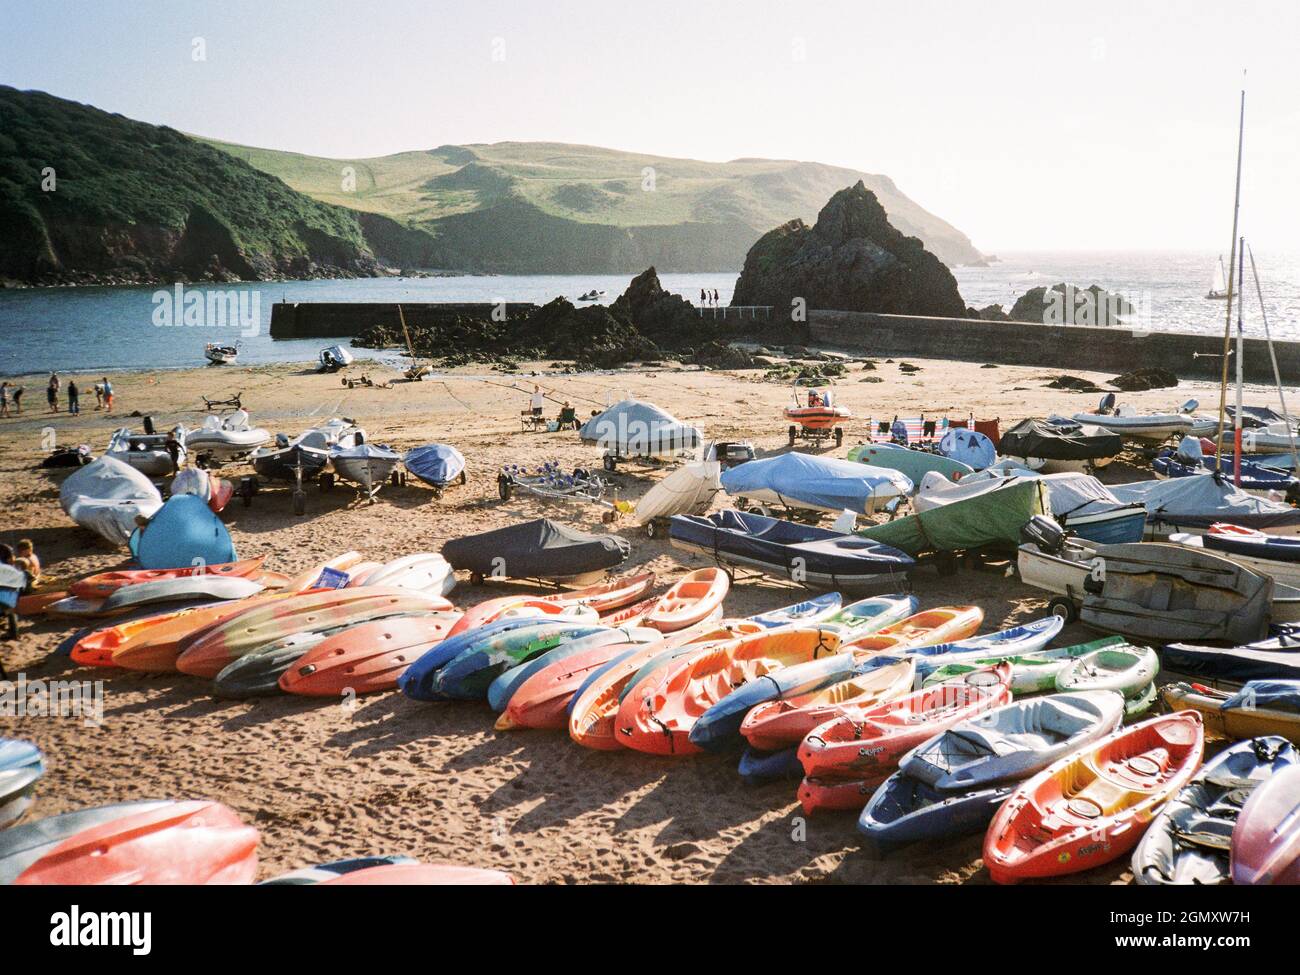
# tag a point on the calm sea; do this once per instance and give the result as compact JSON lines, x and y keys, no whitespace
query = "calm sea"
{"x":112,"y":329}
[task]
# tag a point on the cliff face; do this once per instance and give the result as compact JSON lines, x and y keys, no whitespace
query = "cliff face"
{"x":89,"y":197}
{"x":852,"y":259}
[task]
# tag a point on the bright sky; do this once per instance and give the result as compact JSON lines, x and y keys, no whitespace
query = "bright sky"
{"x":1028,"y":125}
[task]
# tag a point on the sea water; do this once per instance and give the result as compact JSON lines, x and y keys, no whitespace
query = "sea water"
{"x":106,"y":329}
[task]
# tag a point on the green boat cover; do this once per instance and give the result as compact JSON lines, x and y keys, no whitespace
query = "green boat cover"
{"x":994,"y":518}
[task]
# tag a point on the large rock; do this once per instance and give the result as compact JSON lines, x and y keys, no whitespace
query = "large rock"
{"x":657,"y":313}
{"x":1068,"y":304}
{"x":852,"y":259}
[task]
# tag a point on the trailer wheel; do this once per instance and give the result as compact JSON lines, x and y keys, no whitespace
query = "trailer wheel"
{"x":463,"y":478}
{"x":503,"y":487}
{"x":610,"y":463}
{"x":437,"y":493}
{"x":476,"y":578}
{"x":1063,"y":607}
{"x":793,"y":434}
{"x":650,"y":530}
{"x":946,"y":564}
{"x":299,"y":503}
{"x":839,"y":436}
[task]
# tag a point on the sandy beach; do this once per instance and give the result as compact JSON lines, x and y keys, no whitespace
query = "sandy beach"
{"x":324,"y":781}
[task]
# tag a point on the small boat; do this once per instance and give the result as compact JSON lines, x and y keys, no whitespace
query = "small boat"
{"x":225,"y":439}
{"x":1189,"y":840}
{"x":257,"y":674}
{"x":1275,"y":437}
{"x":468,"y":676}
{"x":306,"y":455}
{"x":816,"y":419}
{"x":164,"y":591}
{"x":21,"y":767}
{"x":1188,"y":503}
{"x":424,"y":572}
{"x":1056,"y":445}
{"x":365,"y":658}
{"x":969,"y":447}
{"x":942,"y":625}
{"x":911,"y":463}
{"x":904,"y":810}
{"x":335,"y":358}
{"x":504,"y":686}
{"x":611,"y":594}
{"x":1265,"y":845}
{"x":1218,"y":283}
{"x":1015,"y":641}
{"x":691,"y":599}
{"x":870,"y":615}
{"x":659,"y":720}
{"x":1031,"y":673}
{"x":782,"y":723}
{"x":152,"y":454}
{"x":593,"y":295}
{"x":437,"y":465}
{"x":1276,"y":657}
{"x":1254,"y":476}
{"x":421,"y":875}
{"x":632,"y":429}
{"x":815,"y":557}
{"x":1091,"y":807}
{"x":1260,"y":708}
{"x":813,"y":483}
{"x":856,"y":752}
{"x":1127,"y":670}
{"x":306,"y":876}
{"x":991,"y":520}
{"x":195,"y":842}
{"x":103,"y":584}
{"x":364,"y":464}
{"x":1146,"y":428}
{"x":491,"y":610}
{"x":220,"y":355}
{"x":812,"y":610}
{"x":540,"y":549}
{"x":689,"y":490}
{"x":633,"y":615}
{"x":106,"y":496}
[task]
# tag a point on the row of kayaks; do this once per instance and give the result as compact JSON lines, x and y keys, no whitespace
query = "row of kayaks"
{"x":184,"y":842}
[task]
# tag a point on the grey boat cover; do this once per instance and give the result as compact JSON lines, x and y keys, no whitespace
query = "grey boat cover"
{"x":1057,"y":438}
{"x":636,"y":429}
{"x":1201,"y":500}
{"x":1166,"y":593}
{"x":536,"y":549}
{"x":106,"y":495}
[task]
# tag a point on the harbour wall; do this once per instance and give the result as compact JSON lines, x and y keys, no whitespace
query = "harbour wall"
{"x":345,"y":319}
{"x":1062,"y":347}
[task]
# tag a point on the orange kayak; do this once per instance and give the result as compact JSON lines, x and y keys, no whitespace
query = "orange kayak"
{"x":36,"y":603}
{"x":691,"y":599}
{"x":480,"y":614}
{"x":367,"y":657}
{"x":1092,"y":807}
{"x":608,"y":595}
{"x":154,"y":647}
{"x":659,"y":719}
{"x":867,"y":745}
{"x":925,"y":629}
{"x":633,"y":615}
{"x":328,"y":609}
{"x":591,"y":719}
{"x":103,"y":584}
{"x":542,"y":701}
{"x":779,"y":724}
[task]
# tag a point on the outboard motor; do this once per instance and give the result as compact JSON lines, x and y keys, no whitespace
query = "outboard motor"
{"x":1191,"y":406}
{"x":1189,"y":452}
{"x":1107,"y":404}
{"x":1044,"y":532}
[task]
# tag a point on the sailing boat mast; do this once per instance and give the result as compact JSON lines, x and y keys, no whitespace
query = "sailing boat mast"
{"x":1227,"y":324}
{"x":1241,"y":343}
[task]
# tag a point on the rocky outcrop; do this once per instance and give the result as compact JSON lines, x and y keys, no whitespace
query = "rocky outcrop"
{"x":992,"y":313}
{"x":851,"y":259}
{"x":1068,"y":304}
{"x":1140,"y":379}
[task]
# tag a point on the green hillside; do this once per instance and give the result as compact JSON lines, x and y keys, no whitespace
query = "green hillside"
{"x":132,"y":201}
{"x":696,"y":214}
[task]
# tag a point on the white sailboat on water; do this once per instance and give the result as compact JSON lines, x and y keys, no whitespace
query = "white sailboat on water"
{"x":1218,"y":283}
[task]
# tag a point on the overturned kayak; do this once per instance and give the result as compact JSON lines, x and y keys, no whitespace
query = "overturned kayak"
{"x":1092,"y":807}
{"x":1190,"y":839}
{"x":21,"y":767}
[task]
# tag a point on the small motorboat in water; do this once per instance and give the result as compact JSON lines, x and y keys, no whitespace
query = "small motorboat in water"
{"x":592,"y":295}
{"x":365,"y":464}
{"x":220,"y":355}
{"x":223,"y":439}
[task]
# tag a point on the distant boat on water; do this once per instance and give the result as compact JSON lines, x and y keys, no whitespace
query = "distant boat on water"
{"x":1218,"y":284}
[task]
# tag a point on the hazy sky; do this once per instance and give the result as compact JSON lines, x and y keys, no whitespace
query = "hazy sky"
{"x":1028,"y":125}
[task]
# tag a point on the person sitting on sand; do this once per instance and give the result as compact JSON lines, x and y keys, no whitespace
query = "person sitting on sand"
{"x":25,"y":550}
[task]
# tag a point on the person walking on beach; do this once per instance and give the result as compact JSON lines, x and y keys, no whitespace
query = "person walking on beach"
{"x":52,"y":392}
{"x":74,"y":398}
{"x":108,"y":396}
{"x":4,"y":399}
{"x":99,"y":396}
{"x":18,"y":401}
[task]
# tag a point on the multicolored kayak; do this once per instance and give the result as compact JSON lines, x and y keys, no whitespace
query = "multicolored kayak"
{"x":468,"y":676}
{"x":21,"y":846}
{"x":490,"y":610}
{"x":172,"y":843}
{"x":365,"y":658}
{"x":257,"y":674}
{"x":1266,"y":841}
{"x":612,"y":594}
{"x":503,"y":688}
{"x":1260,"y":708}
{"x":104,"y":584}
{"x":815,"y":610}
{"x":21,"y":767}
{"x":595,"y":704}
{"x":660,"y":720}
{"x":780,"y":724}
{"x":419,"y":681}
{"x":307,"y":876}
{"x":1013,"y":642}
{"x":542,"y":701}
{"x":1190,"y":839}
{"x":312,"y":612}
{"x":942,"y":625}
{"x":1031,"y":673}
{"x":690,"y":600}
{"x":671,"y":649}
{"x":871,"y":615}
{"x":1092,"y":807}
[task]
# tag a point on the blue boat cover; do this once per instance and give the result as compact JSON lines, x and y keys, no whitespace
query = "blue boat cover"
{"x":436,"y":463}
{"x":1268,"y":695}
{"x":820,"y":481}
{"x":184,"y":532}
{"x":969,"y":447}
{"x":1269,"y":659}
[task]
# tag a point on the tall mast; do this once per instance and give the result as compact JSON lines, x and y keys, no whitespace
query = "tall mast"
{"x":1241,"y":343}
{"x":1227,"y":324}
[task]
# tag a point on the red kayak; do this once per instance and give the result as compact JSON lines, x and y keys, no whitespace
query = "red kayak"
{"x":412,"y":874}
{"x":480,"y":614}
{"x":608,"y":595}
{"x":175,"y":843}
{"x":866,"y":746}
{"x":542,"y":701}
{"x":633,"y":615}
{"x":103,"y":584}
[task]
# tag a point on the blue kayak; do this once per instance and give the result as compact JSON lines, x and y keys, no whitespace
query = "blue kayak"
{"x":757,"y":768}
{"x":436,"y":464}
{"x":503,"y":688}
{"x":418,"y":680}
{"x":468,"y":676}
{"x":905,"y":810}
{"x":1013,"y":642}
{"x":809,"y":611}
{"x":1255,"y":476}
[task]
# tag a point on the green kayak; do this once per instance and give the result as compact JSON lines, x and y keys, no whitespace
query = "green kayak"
{"x":1031,"y":673}
{"x":990,"y":519}
{"x":914,"y":464}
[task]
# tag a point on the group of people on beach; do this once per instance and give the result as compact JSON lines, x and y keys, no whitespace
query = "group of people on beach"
{"x":21,"y":557}
{"x":14,"y":394}
{"x":709,"y":299}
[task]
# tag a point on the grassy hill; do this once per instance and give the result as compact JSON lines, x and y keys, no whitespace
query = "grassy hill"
{"x":698,"y":216}
{"x":133,"y":201}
